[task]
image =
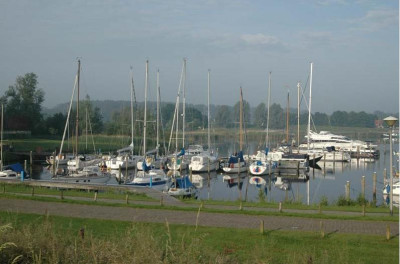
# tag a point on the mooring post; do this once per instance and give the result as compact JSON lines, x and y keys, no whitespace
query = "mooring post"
{"x":384,"y":175}
{"x":348,"y":191}
{"x":119,"y":174}
{"x":363,"y":189}
{"x":126,"y":169}
{"x":62,"y":194}
{"x":374,"y":188}
{"x":31,"y":163}
{"x":54,"y":164}
{"x":127,"y":198}
{"x":280,"y":207}
{"x":95,"y":196}
{"x":25,"y":165}
{"x":33,"y":190}
{"x":190,"y":174}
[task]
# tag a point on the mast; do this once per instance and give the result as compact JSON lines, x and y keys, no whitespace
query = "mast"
{"x":287,"y":119}
{"x":132,"y":91}
{"x":269,"y":97}
{"x":77,"y":110}
{"x":1,"y":137}
{"x":309,"y":109}
{"x":158,"y":110}
{"x":145,"y":108}
{"x":184,"y":103}
{"x":298,"y":117}
{"x":241,"y":120}
{"x":208,"y":110}
{"x":86,"y":129}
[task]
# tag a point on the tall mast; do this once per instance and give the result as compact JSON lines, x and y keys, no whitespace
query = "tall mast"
{"x":1,"y":137}
{"x":298,"y":116}
{"x":269,"y":98}
{"x":77,"y":110}
{"x":309,"y":109}
{"x":158,"y":110}
{"x":145,"y":108}
{"x":184,"y":103}
{"x":86,"y":128}
{"x":132,"y":91}
{"x":241,"y":120}
{"x":287,"y":119}
{"x":208,"y":110}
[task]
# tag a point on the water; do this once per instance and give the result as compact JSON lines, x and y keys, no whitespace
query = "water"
{"x":329,"y":181}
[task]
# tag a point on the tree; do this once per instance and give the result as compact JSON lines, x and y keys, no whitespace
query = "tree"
{"x":55,"y":124}
{"x":277,"y":119}
{"x":223,"y":116}
{"x":23,"y":104}
{"x":320,"y":119}
{"x":260,"y":116}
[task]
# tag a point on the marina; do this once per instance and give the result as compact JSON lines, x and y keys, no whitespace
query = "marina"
{"x":327,"y":180}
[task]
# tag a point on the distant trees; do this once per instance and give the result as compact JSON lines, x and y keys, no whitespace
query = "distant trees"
{"x":223,"y":116}
{"x":260,"y":116}
{"x":23,"y":104}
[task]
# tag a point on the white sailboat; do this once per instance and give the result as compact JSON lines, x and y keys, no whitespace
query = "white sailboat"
{"x":206,"y":161}
{"x":125,"y":159}
{"x":179,"y":160}
{"x":262,"y":164}
{"x":236,"y":162}
{"x":147,"y":174}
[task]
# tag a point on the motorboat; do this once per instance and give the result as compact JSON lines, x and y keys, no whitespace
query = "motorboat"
{"x":89,"y":174}
{"x":123,"y":162}
{"x":324,"y":139}
{"x":149,"y":178}
{"x":61,"y":159}
{"x":203,"y":163}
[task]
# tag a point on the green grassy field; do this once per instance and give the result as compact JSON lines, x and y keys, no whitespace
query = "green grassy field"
{"x":52,"y":239}
{"x":116,"y":198}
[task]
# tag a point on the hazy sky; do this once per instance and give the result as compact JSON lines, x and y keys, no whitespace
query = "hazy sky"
{"x":353,"y":44}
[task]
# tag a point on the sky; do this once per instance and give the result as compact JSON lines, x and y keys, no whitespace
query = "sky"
{"x":354,"y":47}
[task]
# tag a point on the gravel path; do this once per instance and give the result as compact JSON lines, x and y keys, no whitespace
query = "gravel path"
{"x":189,"y":218}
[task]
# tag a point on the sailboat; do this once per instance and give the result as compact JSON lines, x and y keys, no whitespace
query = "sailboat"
{"x":263,"y":164}
{"x":148,"y":175}
{"x":236,"y":162}
{"x":206,"y":161}
{"x":81,"y":169}
{"x":125,"y":158}
{"x":179,"y":159}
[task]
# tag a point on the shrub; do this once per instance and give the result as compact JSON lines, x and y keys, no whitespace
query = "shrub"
{"x":324,"y":201}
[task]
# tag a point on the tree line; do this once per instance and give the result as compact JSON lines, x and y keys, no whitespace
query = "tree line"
{"x":23,"y":112}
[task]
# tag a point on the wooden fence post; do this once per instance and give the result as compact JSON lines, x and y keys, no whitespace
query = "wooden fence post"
{"x":262,"y":226}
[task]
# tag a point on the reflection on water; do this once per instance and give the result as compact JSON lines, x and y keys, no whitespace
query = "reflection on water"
{"x":326,"y":180}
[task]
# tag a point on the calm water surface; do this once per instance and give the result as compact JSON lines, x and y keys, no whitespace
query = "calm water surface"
{"x":327,"y":181}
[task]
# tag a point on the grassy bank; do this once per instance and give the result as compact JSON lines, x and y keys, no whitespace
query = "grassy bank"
{"x":51,"y":239}
{"x":111,"y":197}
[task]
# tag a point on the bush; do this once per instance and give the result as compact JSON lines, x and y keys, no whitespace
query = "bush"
{"x":324,"y":201}
{"x":342,"y":201}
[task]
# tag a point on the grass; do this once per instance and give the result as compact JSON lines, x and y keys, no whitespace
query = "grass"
{"x":110,"y":193}
{"x":53,"y":239}
{"x":122,"y":203}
